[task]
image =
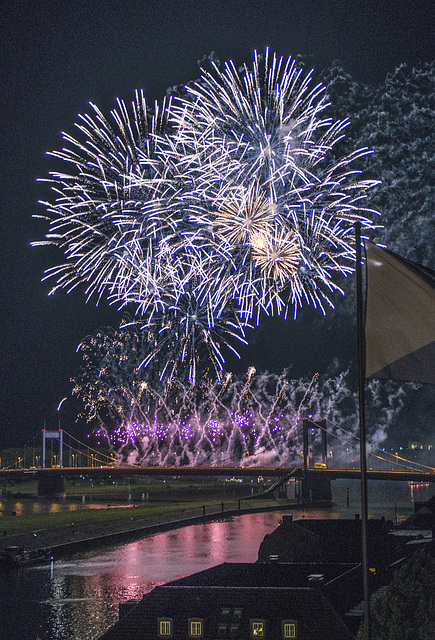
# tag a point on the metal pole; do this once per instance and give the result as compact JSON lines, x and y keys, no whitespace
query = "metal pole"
{"x":306,"y":453}
{"x":362,"y":427}
{"x":61,"y":447}
{"x":324,"y":443}
{"x":43,"y":448}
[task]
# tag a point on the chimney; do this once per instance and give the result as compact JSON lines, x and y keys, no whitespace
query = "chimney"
{"x":287,"y":520}
{"x":316,"y":579}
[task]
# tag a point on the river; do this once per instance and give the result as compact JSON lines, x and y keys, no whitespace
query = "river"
{"x":78,"y":599}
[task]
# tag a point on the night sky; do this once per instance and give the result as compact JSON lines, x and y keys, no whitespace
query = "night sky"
{"x":56,"y":57}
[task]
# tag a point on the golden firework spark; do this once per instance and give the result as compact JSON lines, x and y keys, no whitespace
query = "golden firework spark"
{"x":276,"y":254}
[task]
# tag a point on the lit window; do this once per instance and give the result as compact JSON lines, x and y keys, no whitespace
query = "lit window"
{"x":195,"y":628}
{"x":257,"y":628}
{"x":165,"y":627}
{"x":289,"y":629}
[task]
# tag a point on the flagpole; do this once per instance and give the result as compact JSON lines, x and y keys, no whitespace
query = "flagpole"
{"x":362,"y":426}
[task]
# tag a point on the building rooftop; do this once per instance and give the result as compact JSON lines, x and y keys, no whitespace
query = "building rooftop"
{"x":332,"y":541}
{"x":229,"y":597}
{"x":271,"y":575}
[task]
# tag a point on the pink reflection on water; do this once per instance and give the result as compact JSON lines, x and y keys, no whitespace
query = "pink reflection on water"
{"x":177,"y":553}
{"x":130,"y":571}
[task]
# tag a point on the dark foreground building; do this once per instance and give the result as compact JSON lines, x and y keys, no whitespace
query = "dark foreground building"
{"x":339,"y":540}
{"x":246,"y":601}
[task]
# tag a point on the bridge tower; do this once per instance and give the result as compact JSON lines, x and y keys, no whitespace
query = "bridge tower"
{"x":52,"y":435}
{"x":51,"y":486}
{"x":306,"y":426}
{"x":314,"y":488}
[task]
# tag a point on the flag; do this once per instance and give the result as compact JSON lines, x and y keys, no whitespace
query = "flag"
{"x":400,"y":318}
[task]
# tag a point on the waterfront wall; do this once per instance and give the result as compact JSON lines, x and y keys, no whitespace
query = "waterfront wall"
{"x":74,"y":539}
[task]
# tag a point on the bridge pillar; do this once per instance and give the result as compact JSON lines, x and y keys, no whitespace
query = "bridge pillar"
{"x":314,"y":490}
{"x":51,"y":486}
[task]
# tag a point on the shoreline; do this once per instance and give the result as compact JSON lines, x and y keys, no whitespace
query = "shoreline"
{"x":65,"y":541}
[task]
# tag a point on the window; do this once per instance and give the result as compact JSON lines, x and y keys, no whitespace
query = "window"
{"x":257,"y":629}
{"x":165,"y":627}
{"x":289,"y":629}
{"x":195,"y":628}
{"x":228,"y":625}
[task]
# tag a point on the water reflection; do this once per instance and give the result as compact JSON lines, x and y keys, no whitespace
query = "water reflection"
{"x":31,"y":506}
{"x":19,"y":507}
{"x":77,"y":608}
{"x":81,"y":598}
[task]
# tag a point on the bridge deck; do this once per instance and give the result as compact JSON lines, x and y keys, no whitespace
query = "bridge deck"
{"x":277,"y":472}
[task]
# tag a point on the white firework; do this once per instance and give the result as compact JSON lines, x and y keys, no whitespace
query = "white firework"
{"x":264,"y":171}
{"x":118,"y":189}
{"x":227,"y":201}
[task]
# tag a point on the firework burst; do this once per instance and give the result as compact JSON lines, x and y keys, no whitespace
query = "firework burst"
{"x":118,"y":190}
{"x":266,"y":185}
{"x":217,"y":206}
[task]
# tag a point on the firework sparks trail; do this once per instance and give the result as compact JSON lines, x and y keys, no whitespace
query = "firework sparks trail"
{"x":254,"y":420}
{"x":209,"y":427}
{"x":147,"y":421}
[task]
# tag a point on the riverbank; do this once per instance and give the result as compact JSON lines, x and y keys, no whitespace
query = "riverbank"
{"x":134,"y":525}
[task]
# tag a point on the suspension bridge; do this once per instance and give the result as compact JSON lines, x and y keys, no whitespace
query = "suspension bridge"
{"x":63,"y":456}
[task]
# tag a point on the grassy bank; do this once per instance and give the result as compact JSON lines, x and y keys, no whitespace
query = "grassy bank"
{"x":127,"y":501}
{"x":64,"y":519}
{"x":136,"y":489}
